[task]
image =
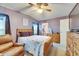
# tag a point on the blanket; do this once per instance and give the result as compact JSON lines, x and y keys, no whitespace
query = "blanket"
{"x":34,"y":44}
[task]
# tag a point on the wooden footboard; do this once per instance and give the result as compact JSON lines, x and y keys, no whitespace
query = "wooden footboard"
{"x":47,"y":47}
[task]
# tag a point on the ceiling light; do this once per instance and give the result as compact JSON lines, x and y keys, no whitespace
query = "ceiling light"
{"x":43,"y":7}
{"x":40,"y":10}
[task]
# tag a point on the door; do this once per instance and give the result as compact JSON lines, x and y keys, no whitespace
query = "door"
{"x":64,"y":28}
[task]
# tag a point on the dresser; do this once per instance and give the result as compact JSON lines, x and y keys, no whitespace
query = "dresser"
{"x":73,"y":44}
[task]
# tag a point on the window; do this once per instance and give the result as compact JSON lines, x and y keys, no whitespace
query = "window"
{"x":4,"y":24}
{"x":35,"y":27}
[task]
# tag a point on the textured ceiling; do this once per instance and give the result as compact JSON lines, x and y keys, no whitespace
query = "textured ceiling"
{"x":58,"y":10}
{"x":76,"y":10}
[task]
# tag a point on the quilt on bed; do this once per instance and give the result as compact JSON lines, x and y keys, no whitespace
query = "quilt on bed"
{"x":34,"y":44}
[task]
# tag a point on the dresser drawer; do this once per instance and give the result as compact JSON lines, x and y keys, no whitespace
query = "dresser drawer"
{"x":76,"y":44}
{"x":69,"y":42}
{"x":69,"y":53}
{"x":76,"y":35}
{"x":76,"y":52}
{"x":77,"y":47}
{"x":73,"y":43}
{"x":76,"y":40}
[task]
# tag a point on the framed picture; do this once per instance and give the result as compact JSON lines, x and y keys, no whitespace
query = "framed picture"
{"x":25,"y":22}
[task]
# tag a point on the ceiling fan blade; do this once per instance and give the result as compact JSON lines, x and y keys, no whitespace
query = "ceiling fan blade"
{"x":39,"y":4}
{"x":27,"y":7}
{"x":49,"y":10}
{"x":45,"y":4}
{"x":31,"y":4}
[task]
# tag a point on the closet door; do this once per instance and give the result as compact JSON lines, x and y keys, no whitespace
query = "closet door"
{"x":64,"y":28}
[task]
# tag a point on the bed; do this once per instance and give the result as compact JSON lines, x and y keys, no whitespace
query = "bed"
{"x":37,"y":45}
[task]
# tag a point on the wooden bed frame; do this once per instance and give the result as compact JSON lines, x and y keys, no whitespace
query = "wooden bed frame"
{"x":28,"y":32}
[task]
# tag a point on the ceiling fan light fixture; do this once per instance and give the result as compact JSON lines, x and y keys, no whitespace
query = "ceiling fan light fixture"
{"x":40,"y":10}
{"x":43,"y":7}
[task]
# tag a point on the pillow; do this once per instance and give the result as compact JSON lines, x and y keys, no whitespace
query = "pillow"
{"x":5,"y":38}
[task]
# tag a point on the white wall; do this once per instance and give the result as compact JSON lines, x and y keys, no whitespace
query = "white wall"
{"x":16,"y":20}
{"x":54,"y":24}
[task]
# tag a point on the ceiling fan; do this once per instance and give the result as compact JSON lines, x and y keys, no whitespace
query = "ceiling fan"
{"x":43,"y":6}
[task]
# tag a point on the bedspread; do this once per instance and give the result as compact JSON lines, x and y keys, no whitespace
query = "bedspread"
{"x":34,"y":44}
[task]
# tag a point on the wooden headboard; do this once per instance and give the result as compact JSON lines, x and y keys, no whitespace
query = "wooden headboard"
{"x":23,"y":33}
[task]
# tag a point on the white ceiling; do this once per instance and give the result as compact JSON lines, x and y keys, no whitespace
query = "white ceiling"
{"x":58,"y":10}
{"x":75,"y":11}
